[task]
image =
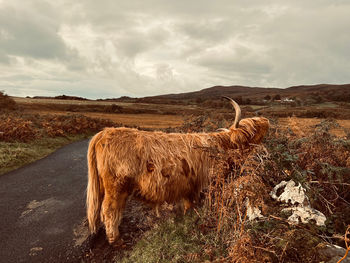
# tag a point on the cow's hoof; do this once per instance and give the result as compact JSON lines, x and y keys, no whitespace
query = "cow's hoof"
{"x":118,"y":243}
{"x":111,"y":240}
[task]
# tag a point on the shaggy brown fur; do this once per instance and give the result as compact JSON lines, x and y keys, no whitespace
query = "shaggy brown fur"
{"x":154,"y":166}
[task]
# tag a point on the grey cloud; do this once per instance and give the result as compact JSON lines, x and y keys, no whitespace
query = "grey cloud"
{"x":234,"y":66}
{"x":207,"y":31}
{"x":309,"y":46}
{"x":164,"y":71}
{"x":31,"y":31}
{"x":235,"y":60}
{"x":4,"y":59}
{"x":142,"y":48}
{"x":132,"y":42}
{"x":28,"y":35}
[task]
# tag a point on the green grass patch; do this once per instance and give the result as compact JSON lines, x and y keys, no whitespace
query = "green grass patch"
{"x":16,"y":154}
{"x":179,"y":239}
{"x":327,"y":105}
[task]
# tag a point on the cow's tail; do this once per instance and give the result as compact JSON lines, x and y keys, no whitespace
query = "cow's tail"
{"x":94,"y":194}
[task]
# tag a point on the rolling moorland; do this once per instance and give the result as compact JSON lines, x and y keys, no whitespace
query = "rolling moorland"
{"x":309,"y":143}
{"x":320,"y":101}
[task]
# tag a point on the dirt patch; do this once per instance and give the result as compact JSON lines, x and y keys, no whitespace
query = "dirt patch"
{"x":81,"y":233}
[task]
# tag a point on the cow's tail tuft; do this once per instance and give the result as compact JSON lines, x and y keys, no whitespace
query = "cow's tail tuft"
{"x":93,"y":195}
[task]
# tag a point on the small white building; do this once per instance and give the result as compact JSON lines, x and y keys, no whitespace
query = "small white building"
{"x":287,"y":100}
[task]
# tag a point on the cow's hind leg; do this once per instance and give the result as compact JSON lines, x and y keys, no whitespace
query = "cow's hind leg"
{"x":112,"y":209}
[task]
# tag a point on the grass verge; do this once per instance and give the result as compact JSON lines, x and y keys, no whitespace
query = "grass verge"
{"x":16,"y":154}
{"x":178,"y":239}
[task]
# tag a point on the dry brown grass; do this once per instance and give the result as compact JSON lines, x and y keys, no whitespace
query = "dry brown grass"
{"x":305,"y":126}
{"x":153,"y":121}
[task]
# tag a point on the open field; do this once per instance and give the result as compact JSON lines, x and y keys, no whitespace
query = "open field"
{"x":104,"y":106}
{"x":153,"y":121}
{"x":334,"y":110}
{"x":301,"y":126}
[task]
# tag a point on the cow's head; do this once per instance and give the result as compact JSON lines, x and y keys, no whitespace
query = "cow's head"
{"x":246,"y":131}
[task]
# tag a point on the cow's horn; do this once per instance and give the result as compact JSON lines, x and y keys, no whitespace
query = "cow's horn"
{"x":237,"y":110}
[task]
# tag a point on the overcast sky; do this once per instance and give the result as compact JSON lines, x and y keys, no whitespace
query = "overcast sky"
{"x":110,"y":48}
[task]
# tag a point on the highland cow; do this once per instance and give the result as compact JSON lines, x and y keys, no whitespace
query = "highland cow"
{"x":157,"y":167}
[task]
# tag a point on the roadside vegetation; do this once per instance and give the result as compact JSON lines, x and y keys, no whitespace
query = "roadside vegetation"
{"x":26,"y":137}
{"x":220,"y":231}
{"x":14,"y":155}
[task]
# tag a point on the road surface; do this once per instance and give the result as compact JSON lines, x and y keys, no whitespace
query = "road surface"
{"x":42,"y":208}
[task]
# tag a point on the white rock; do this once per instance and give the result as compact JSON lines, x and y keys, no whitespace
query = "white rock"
{"x":304,"y":214}
{"x":292,"y":193}
{"x":253,"y":212}
{"x":301,"y":210}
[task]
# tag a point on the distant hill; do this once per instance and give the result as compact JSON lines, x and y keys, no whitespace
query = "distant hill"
{"x":325,"y":92}
{"x":218,"y":91}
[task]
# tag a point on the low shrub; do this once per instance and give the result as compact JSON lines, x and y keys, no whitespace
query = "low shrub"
{"x":16,"y":129}
{"x":26,"y":127}
{"x":61,"y":125}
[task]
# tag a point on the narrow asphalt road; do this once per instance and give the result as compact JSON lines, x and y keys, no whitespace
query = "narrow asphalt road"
{"x":42,"y":208}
